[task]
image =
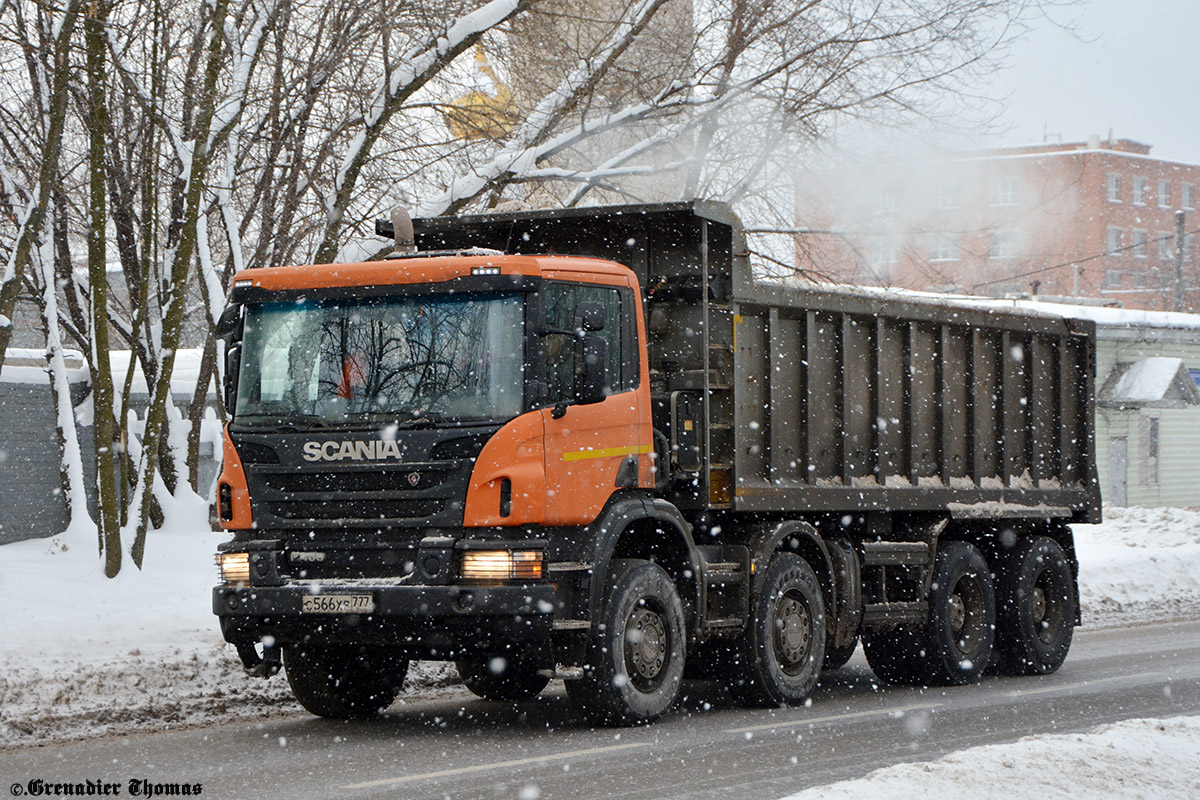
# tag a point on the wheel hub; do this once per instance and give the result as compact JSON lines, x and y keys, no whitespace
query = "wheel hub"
{"x":646,"y":643}
{"x":965,"y":610}
{"x":958,"y":613}
{"x":793,"y":628}
{"x":1038,"y":608}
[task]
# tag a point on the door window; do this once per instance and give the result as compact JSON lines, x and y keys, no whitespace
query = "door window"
{"x":561,"y":300}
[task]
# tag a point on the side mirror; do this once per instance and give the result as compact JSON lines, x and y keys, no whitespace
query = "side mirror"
{"x":589,"y":317}
{"x":233,"y":368}
{"x":228,"y":322}
{"x":591,"y":369}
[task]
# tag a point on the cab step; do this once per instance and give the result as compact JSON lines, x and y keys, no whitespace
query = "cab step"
{"x":895,"y":554}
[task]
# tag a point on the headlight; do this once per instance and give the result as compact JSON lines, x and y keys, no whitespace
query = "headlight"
{"x":501,"y":565}
{"x":234,"y":567}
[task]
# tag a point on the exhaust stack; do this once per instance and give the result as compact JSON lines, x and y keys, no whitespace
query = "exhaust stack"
{"x":402,"y":229}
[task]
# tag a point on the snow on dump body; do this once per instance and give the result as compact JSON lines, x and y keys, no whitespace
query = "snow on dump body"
{"x":1147,"y":380}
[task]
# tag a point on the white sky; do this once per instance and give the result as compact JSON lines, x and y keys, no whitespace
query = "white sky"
{"x":1131,"y":67}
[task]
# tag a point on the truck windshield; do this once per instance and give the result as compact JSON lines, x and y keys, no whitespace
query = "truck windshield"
{"x":406,"y":359}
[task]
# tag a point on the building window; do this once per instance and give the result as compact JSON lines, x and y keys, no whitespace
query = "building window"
{"x":1164,"y":194}
{"x":1139,"y":191}
{"x":1114,"y":241}
{"x":1005,"y":192}
{"x":944,"y":247}
{"x":1139,"y":280}
{"x":1188,"y":244}
{"x":1166,"y":242}
{"x":1112,"y":279}
{"x":1002,"y":244}
{"x":946,"y":196}
{"x":1139,"y":244}
{"x":889,"y":199}
{"x":884,"y":250}
{"x":1187,"y":192}
{"x":1150,"y":439}
{"x":1114,"y":188}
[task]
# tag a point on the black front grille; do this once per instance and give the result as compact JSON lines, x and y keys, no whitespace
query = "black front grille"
{"x":291,"y":490}
{"x":357,"y":563}
{"x":356,"y":509}
{"x":357,"y":481}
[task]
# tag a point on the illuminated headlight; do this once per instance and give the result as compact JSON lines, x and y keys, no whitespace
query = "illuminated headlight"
{"x":242,"y":283}
{"x":501,"y":565}
{"x":234,"y":567}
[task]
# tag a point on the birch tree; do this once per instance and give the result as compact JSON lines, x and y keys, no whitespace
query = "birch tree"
{"x":50,"y":84}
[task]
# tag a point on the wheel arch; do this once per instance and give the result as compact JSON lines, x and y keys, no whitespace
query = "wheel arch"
{"x":652,"y":530}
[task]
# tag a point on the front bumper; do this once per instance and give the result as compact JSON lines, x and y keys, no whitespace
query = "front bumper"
{"x":427,"y":621}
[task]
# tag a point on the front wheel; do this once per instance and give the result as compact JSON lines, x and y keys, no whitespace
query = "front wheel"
{"x":783,"y":648}
{"x":344,"y":682}
{"x":503,"y":678}
{"x":635,"y":662}
{"x":1036,"y":608}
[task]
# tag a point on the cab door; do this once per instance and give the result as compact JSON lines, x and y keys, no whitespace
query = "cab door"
{"x":593,"y":449}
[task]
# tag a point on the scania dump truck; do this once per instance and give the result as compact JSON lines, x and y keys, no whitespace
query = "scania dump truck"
{"x":589,"y":444}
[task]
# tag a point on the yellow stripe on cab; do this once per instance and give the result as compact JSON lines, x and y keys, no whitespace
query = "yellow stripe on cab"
{"x":608,"y":452}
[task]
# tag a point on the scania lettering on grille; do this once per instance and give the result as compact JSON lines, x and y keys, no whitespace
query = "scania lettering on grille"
{"x":374,"y":450}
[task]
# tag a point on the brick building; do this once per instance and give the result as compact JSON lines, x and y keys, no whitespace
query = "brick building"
{"x":1089,"y":219}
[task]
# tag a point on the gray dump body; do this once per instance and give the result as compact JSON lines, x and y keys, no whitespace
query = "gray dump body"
{"x":786,"y":399}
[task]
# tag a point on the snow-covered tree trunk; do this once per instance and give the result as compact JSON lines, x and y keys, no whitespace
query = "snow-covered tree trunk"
{"x":107,"y":512}
{"x":73,"y":484}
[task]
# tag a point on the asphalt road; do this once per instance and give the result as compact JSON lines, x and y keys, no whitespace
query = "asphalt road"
{"x":462,"y":747}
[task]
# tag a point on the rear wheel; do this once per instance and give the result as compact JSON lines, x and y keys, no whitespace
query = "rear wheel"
{"x":503,"y":678}
{"x":343,"y":682}
{"x":1036,"y":608}
{"x":956,"y":644}
{"x":957,"y":641}
{"x":635,"y":663}
{"x":784,"y":646}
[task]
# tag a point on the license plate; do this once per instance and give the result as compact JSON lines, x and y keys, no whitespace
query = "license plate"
{"x":337,"y":604}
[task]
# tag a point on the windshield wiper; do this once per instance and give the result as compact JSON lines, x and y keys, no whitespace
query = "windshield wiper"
{"x":291,"y":423}
{"x":410,"y":420}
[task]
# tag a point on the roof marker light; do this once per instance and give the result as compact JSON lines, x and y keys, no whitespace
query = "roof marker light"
{"x":241,"y":283}
{"x":485,"y":270}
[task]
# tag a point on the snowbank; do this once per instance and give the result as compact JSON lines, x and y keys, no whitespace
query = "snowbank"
{"x":86,"y":656}
{"x":1131,"y":760}
{"x":1141,"y":564}
{"x":29,"y":365}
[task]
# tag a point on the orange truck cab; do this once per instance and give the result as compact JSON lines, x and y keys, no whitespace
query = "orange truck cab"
{"x":603,"y":465}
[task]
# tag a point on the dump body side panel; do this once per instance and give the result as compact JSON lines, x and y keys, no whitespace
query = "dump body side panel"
{"x":848,"y":402}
